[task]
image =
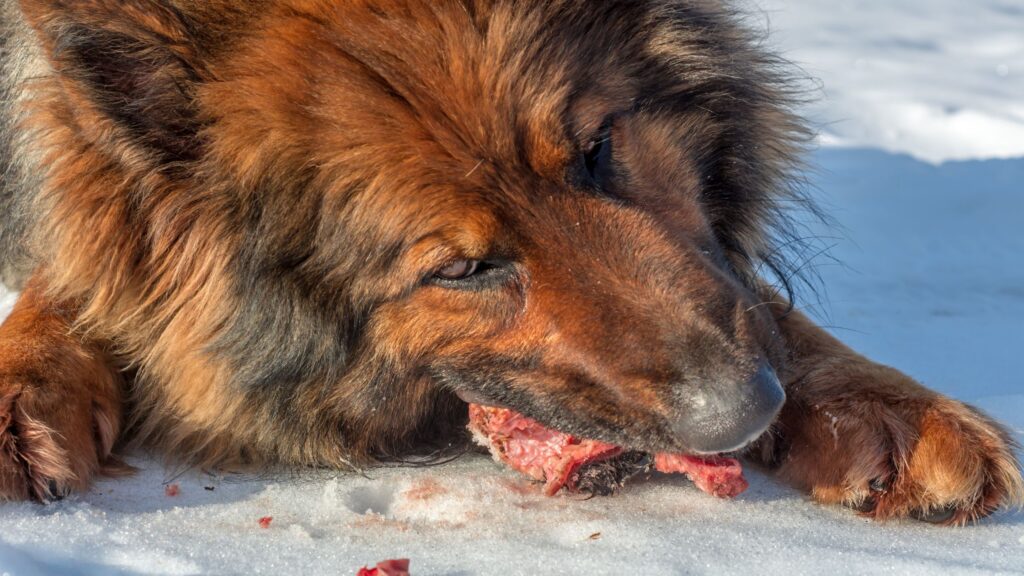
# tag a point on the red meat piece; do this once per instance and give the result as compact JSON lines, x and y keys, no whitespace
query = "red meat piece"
{"x":552,"y":457}
{"x":387,"y":568}
{"x":718,"y":476}
{"x":541,"y":453}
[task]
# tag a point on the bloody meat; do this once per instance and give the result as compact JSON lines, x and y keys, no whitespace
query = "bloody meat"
{"x":562,"y":460}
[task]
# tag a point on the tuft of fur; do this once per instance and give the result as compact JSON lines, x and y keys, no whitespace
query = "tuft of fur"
{"x":606,"y":477}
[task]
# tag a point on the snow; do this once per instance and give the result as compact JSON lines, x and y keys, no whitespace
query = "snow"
{"x":931,"y":281}
{"x":6,"y":301}
{"x":937,"y":79}
{"x":931,"y":276}
{"x":472,"y":517}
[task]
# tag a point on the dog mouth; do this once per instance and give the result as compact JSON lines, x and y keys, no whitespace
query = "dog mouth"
{"x":730,"y":418}
{"x":718,"y":419}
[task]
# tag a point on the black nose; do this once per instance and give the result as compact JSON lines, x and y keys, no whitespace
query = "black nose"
{"x":726,"y":416}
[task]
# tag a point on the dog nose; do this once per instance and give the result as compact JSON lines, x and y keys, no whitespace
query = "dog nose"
{"x":726,"y":416}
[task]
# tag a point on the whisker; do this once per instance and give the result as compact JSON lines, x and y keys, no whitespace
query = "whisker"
{"x":475,"y":168}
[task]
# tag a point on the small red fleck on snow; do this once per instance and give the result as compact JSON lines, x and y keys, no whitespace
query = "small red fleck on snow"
{"x":265,"y":521}
{"x":364,"y":571}
{"x":172,"y":490}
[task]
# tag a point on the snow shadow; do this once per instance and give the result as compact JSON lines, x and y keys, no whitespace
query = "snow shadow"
{"x":925,"y":267}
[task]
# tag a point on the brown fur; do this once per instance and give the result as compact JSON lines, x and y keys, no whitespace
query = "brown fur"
{"x":60,"y":403}
{"x":245,"y":204}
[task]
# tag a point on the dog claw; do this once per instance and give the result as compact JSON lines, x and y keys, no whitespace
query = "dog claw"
{"x":935,"y":515}
{"x":54,"y":493}
{"x":869,"y":503}
{"x":866,"y":506}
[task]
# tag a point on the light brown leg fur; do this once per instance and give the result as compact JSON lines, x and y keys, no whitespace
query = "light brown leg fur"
{"x":865,"y":435}
{"x":60,"y":403}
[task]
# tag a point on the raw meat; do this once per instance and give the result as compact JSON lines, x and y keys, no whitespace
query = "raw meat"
{"x":541,"y":453}
{"x":557,"y":459}
{"x":718,"y":476}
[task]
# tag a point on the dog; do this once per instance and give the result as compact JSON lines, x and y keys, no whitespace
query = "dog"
{"x":308,"y":232}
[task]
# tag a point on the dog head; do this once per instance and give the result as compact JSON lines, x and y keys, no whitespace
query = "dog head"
{"x":554,"y":206}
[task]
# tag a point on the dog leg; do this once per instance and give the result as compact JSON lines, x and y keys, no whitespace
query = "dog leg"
{"x":60,"y":403}
{"x":865,"y":435}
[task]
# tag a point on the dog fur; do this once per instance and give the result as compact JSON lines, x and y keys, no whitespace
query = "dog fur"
{"x":230,"y":215}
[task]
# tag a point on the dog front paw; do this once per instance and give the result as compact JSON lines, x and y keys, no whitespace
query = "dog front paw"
{"x":871,"y":438}
{"x":52,"y":441}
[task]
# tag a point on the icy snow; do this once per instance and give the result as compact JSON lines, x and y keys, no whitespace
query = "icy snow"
{"x":931,"y":281}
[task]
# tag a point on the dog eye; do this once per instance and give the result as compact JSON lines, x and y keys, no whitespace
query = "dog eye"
{"x":468,"y":274}
{"x":597,"y":156}
{"x":458,"y":270}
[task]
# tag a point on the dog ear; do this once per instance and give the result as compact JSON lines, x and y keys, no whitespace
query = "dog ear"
{"x":134,"y":63}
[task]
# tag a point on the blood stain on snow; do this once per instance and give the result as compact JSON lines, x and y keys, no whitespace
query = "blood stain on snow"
{"x":424,"y":489}
{"x":265,"y":522}
{"x":172,"y":490}
{"x":519,"y":486}
{"x":372,"y":520}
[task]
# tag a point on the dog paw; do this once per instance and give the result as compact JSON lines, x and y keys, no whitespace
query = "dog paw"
{"x":893,"y":449}
{"x":52,"y":441}
{"x":955,"y":466}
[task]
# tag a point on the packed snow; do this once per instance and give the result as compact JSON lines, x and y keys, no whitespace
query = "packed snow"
{"x":931,"y":280}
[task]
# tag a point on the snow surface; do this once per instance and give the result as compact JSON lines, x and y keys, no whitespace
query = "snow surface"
{"x":6,"y":301}
{"x":931,"y":281}
{"x":937,"y":79}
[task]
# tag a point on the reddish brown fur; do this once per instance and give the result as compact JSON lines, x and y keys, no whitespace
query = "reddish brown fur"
{"x":60,"y":403}
{"x":244,"y":204}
